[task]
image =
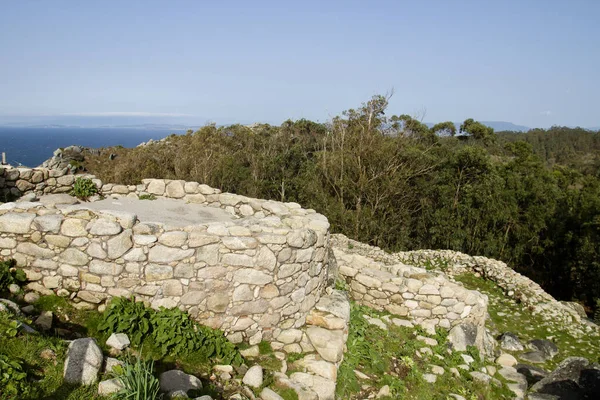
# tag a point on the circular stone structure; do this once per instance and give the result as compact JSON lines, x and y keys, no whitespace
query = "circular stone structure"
{"x":249,"y":267}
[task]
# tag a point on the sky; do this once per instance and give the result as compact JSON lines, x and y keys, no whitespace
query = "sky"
{"x":530,"y":62}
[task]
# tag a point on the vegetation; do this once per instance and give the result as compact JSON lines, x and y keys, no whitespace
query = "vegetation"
{"x":171,"y":331}
{"x":395,"y":357}
{"x":147,"y":197}
{"x":531,"y":200}
{"x":139,"y":382}
{"x":83,"y":188}
{"x":10,"y":275}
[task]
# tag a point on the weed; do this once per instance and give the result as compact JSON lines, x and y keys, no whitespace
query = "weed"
{"x":147,"y":197}
{"x":10,"y":275}
{"x":84,"y":188}
{"x":138,"y":381}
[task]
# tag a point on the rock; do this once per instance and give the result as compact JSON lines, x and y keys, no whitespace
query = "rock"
{"x":104,"y":227}
{"x":329,"y":344}
{"x":31,"y":297}
{"x":177,"y":394}
{"x":436,"y":369}
{"x":110,"y":386}
{"x":506,"y":360}
{"x":174,"y":380}
{"x":254,"y":376}
{"x":268,"y":394}
{"x":16,"y":222}
{"x":163,"y":254}
{"x":119,"y":245}
{"x":250,"y":352}
{"x":44,"y":321}
{"x":52,"y":200}
{"x":118,"y":341}
{"x":545,"y":346}
{"x":10,"y":306}
{"x":324,"y":388}
{"x":509,"y":341}
{"x":336,"y":303}
{"x":111,"y":363}
{"x":466,"y":334}
{"x":534,"y":357}
{"x":431,"y":378}
{"x":481,"y":377}
{"x":574,"y":378}
{"x":383,"y":392}
{"x":531,"y":373}
{"x":83,"y":362}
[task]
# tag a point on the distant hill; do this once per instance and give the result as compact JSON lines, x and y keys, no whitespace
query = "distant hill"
{"x":505,"y":126}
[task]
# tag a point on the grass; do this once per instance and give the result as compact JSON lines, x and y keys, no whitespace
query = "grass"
{"x":389,"y":357}
{"x":508,"y":316}
{"x":45,"y":375}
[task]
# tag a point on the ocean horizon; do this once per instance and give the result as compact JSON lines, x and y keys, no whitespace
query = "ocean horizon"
{"x":32,"y":146}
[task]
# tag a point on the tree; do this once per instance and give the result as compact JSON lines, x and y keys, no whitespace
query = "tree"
{"x":478,"y":131}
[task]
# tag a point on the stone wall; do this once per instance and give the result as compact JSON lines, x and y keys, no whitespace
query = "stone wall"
{"x":427,"y":298}
{"x":254,"y":276}
{"x":15,"y":182}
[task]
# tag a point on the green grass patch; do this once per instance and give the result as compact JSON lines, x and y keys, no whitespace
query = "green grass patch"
{"x":389,"y":357}
{"x":509,"y":316}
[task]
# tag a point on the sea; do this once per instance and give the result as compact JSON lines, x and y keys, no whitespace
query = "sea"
{"x":32,"y":146}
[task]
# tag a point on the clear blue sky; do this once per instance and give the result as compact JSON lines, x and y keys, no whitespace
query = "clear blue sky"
{"x":531,"y":62}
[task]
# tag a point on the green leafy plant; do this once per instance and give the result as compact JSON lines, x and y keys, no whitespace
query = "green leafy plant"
{"x":126,"y":316}
{"x":172,"y":331}
{"x":10,"y":275}
{"x":83,"y":188}
{"x":147,"y":197}
{"x":139,"y":382}
{"x":13,"y":379}
{"x":597,"y":312}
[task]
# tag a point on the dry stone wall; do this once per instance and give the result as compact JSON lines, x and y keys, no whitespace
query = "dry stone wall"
{"x":424,"y":297}
{"x":255,"y":276}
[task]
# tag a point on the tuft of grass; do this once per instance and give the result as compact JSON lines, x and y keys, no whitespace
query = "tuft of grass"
{"x":138,"y":381}
{"x":265,"y":348}
{"x":147,"y":197}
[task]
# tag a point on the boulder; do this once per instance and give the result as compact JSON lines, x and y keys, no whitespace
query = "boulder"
{"x":110,"y":386}
{"x":509,"y":341}
{"x":83,"y":362}
{"x":254,"y":376}
{"x":174,"y":380}
{"x":545,"y":346}
{"x":118,"y":341}
{"x":573,"y":379}
{"x":535,"y":357}
{"x":531,"y":373}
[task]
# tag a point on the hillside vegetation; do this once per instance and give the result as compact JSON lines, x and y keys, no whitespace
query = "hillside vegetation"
{"x":531,"y":200}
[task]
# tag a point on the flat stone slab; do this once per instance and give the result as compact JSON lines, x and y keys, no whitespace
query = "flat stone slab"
{"x":171,"y":212}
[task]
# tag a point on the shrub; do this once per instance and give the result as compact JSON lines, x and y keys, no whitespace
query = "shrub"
{"x":83,"y":188}
{"x":147,"y":197}
{"x":13,"y":380}
{"x":10,"y":275}
{"x":127,"y":316}
{"x":138,"y":381}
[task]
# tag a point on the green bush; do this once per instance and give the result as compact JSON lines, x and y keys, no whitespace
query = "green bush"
{"x":138,"y":381}
{"x":83,"y":188}
{"x":10,"y":275}
{"x":172,"y":331}
{"x":147,"y":197}
{"x":13,"y":379}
